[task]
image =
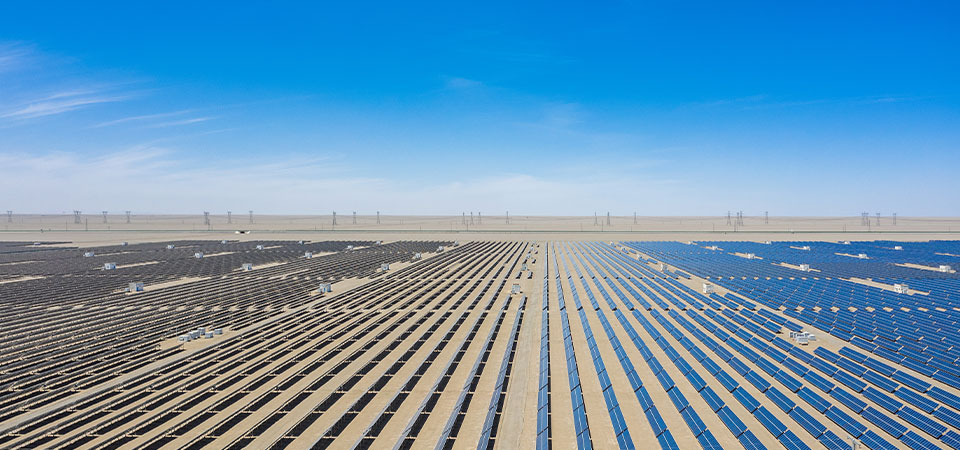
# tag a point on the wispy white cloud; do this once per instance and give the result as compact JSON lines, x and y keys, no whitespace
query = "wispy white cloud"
{"x":141,"y":118}
{"x":62,"y":102}
{"x":14,"y":56}
{"x":175,"y":123}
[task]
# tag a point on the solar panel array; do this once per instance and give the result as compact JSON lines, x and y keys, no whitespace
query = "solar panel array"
{"x":625,"y":351}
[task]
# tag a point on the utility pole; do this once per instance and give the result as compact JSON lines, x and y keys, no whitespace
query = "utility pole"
{"x":634,"y":217}
{"x":128,"y":216}
{"x":508,"y":217}
{"x":378,"y":217}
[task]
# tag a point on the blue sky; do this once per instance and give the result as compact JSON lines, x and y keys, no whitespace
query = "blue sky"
{"x":666,"y":108}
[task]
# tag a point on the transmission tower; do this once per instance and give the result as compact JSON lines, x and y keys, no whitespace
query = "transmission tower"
{"x":104,"y":216}
{"x":128,"y":216}
{"x":608,"y":218}
{"x":508,"y":218}
{"x":766,"y":217}
{"x":878,"y":219}
{"x":76,"y":217}
{"x":9,"y":216}
{"x":354,"y":217}
{"x":206,"y":218}
{"x":378,"y":217}
{"x":728,"y":219}
{"x":894,"y":219}
{"x":229,"y":216}
{"x":334,"y":218}
{"x":865,"y":219}
{"x":740,"y":218}
{"x":595,"y":222}
{"x":463,"y":216}
{"x":479,"y":218}
{"x":251,"y":216}
{"x":634,"y":217}
{"x":471,"y":217}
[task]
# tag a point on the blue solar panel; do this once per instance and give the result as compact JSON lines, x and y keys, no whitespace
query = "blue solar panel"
{"x":708,"y":441}
{"x":814,"y":399}
{"x":665,"y":380}
{"x":791,"y":441}
{"x":952,"y":439}
{"x":679,"y":401}
{"x":852,"y":354}
{"x":945,"y":397}
{"x":948,"y":415}
{"x":922,"y":421}
{"x":849,"y":424}
{"x":693,"y":421}
{"x":924,"y":404}
{"x":880,"y":381}
{"x":808,"y":422}
{"x":831,"y":441}
{"x":848,"y":399}
{"x":695,"y":380}
{"x":667,"y":442}
{"x":733,"y":423}
{"x":818,"y":381}
{"x":711,"y":398}
{"x":759,"y":382}
{"x":875,"y":442}
{"x":885,"y":422}
{"x":885,"y":401}
{"x":726,"y":380}
{"x":911,"y":381}
{"x":916,"y":442}
{"x":769,"y":421}
{"x":745,"y":399}
{"x":788,"y":381}
{"x":750,"y":442}
{"x":656,"y":421}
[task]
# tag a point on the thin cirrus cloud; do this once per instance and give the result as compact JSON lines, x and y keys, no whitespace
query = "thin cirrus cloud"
{"x":62,"y":102}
